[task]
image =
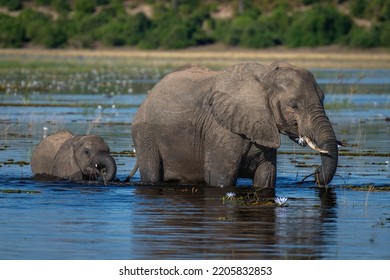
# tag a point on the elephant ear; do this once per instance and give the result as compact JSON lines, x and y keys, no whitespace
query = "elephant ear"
{"x":65,"y":164}
{"x":45,"y":151}
{"x":239,"y":102}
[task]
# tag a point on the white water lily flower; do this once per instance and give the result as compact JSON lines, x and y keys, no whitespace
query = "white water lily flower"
{"x":230,"y":195}
{"x":301,"y":141}
{"x":281,"y":201}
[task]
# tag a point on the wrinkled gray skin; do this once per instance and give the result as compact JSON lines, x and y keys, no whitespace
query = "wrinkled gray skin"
{"x":198,"y":125}
{"x":73,"y":157}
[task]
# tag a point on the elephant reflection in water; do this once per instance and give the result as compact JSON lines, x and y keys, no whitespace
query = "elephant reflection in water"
{"x":197,"y":224}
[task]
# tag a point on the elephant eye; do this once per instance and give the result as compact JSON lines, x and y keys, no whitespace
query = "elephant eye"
{"x":294,"y":105}
{"x":87,"y":152}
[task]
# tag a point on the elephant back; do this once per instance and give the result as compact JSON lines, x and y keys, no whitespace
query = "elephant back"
{"x":175,"y":97}
{"x":46,"y":150}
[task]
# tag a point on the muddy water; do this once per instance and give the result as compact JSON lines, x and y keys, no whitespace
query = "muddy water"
{"x":65,"y":220}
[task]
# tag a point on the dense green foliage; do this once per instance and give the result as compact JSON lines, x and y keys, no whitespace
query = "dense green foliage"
{"x":321,"y":25}
{"x":174,"y":24}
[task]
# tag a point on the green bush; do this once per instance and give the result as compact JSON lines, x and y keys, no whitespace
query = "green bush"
{"x":310,"y":2}
{"x":34,"y":22}
{"x":385,"y":35}
{"x":12,"y":34}
{"x":170,"y":30}
{"x":378,"y":10}
{"x":358,"y":7}
{"x":61,"y":6}
{"x":257,"y":37}
{"x":321,"y":25}
{"x":182,"y":23}
{"x":363,"y":38}
{"x":54,"y":36}
{"x":12,"y":5}
{"x":125,"y":30}
{"x":254,"y":30}
{"x":220,"y":30}
{"x":83,"y":31}
{"x":241,"y":26}
{"x":44,"y":2}
{"x":169,"y":36}
{"x":84,"y":6}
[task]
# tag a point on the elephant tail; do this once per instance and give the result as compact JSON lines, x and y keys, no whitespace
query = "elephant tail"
{"x":135,"y":168}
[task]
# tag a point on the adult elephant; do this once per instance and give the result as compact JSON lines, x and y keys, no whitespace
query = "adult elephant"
{"x":199,"y":125}
{"x":73,"y":157}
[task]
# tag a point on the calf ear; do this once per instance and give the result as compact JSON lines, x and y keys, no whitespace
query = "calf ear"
{"x":45,"y":151}
{"x":239,"y":102}
{"x":65,"y":164}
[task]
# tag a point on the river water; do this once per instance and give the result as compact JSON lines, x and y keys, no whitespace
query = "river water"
{"x":84,"y":220}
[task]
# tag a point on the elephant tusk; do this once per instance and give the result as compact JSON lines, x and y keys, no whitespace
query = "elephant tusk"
{"x":313,"y":145}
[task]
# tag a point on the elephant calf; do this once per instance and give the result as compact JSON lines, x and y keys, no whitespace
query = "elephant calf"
{"x":199,"y":125}
{"x":73,"y":157}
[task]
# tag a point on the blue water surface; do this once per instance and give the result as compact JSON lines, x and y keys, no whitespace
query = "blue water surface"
{"x":90,"y":220}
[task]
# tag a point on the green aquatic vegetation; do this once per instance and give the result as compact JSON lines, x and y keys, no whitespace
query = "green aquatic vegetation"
{"x":364,"y":154}
{"x":13,"y":162}
{"x":125,"y":153}
{"x":382,"y":223}
{"x":252,"y":197}
{"x":337,"y":105}
{"x":368,"y":188}
{"x":17,"y":191}
{"x":302,"y":164}
{"x":348,"y":104}
{"x":347,"y":151}
{"x":88,"y":108}
{"x":109,"y":76}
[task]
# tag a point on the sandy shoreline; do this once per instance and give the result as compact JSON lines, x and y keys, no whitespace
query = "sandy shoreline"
{"x":219,"y":57}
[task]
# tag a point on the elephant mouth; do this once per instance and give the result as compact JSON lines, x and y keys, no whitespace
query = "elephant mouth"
{"x":306,"y":141}
{"x":97,"y":172}
{"x":102,"y":168}
{"x":101,"y":172}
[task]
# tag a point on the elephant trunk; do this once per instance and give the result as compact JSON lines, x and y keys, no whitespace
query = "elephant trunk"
{"x":105,"y":165}
{"x":325,"y":137}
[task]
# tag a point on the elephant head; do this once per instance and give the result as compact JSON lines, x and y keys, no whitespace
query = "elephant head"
{"x":77,"y":157}
{"x":259,"y":102}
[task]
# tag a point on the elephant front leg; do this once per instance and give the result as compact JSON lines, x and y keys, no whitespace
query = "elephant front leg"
{"x":215,"y":177}
{"x":222,"y":164}
{"x":265,"y":175}
{"x":220,"y":171}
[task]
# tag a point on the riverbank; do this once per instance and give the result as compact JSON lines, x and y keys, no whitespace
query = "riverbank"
{"x":214,"y":56}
